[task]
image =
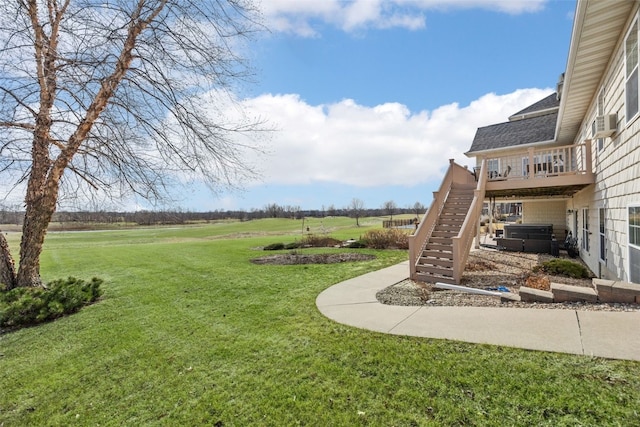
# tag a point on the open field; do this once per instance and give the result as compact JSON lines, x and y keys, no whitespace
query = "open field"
{"x":190,"y":332}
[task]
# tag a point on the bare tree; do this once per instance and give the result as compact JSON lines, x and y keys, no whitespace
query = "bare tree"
{"x":273,"y":210}
{"x":418,"y":208}
{"x":118,"y":97}
{"x":389,"y":207}
{"x":356,"y":208}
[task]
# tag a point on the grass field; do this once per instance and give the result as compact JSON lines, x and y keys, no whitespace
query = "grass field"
{"x":189,"y":332}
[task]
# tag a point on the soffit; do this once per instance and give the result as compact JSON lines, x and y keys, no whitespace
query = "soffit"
{"x":597,"y":28}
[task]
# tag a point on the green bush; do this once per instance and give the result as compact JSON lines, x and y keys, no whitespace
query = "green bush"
{"x":294,"y":245}
{"x":565,"y":267}
{"x":29,"y":306}
{"x":387,"y":238}
{"x":274,"y":247}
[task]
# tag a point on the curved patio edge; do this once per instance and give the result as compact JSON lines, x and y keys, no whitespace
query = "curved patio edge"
{"x":614,"y":335}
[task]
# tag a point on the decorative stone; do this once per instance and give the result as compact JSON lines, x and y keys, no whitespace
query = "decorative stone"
{"x":510,"y":297}
{"x":570,"y":293}
{"x":625,"y":292}
{"x":604,"y":289}
{"x":535,"y":295}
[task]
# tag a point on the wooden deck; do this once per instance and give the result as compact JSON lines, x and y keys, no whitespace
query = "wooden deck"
{"x":559,"y":171}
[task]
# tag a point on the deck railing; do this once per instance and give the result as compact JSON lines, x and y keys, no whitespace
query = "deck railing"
{"x":417,"y":242}
{"x":540,"y":163}
{"x":419,"y":239}
{"x":463,"y":241}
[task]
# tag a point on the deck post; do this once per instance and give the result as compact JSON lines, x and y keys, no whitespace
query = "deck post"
{"x":588,"y":160}
{"x":531,"y":172}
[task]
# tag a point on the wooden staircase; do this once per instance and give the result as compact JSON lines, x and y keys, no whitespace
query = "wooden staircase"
{"x":435,"y":263}
{"x":439,"y":248}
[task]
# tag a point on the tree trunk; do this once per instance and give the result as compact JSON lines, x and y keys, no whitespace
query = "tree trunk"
{"x":41,"y":203}
{"x":7,"y":266}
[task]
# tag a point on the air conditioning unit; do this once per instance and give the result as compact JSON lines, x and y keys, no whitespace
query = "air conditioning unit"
{"x":605,"y":126}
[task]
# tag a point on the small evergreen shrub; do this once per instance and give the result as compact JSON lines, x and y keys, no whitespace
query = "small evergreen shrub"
{"x":357,"y":244}
{"x":30,"y":306}
{"x":564,"y":267}
{"x":274,"y":247}
{"x":293,"y":245}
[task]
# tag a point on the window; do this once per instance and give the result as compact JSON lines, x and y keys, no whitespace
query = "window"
{"x":634,"y":244}
{"x":631,"y":72}
{"x":603,"y":242}
{"x":543,"y":164}
{"x":493,"y":166}
{"x":585,"y":229}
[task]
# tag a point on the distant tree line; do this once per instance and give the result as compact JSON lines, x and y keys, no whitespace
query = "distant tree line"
{"x":10,"y":215}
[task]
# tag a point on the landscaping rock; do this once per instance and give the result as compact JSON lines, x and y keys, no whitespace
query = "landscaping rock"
{"x":510,"y":297}
{"x":620,"y":292}
{"x":604,"y":289}
{"x":535,"y":295}
{"x":569,"y":293}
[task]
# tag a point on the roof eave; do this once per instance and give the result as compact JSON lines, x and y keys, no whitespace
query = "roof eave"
{"x":510,"y":148}
{"x":578,"y":22}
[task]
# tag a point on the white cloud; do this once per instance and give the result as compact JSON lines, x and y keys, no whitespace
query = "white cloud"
{"x":305,"y":17}
{"x":351,"y":144}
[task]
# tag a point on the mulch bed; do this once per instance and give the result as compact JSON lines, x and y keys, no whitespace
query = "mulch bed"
{"x":292,"y":259}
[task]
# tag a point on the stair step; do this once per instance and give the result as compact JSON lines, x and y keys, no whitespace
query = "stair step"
{"x":444,"y":233}
{"x":454,"y":229}
{"x":451,"y":222}
{"x":442,"y":262}
{"x":439,"y":246}
{"x":434,"y":278}
{"x":435,"y":270}
{"x":437,"y":254}
{"x":440,"y":240}
{"x":454,"y":212}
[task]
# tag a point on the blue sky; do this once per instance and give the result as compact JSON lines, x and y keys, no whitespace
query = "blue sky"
{"x":371,"y":98}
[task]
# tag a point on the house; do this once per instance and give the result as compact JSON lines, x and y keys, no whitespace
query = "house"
{"x":572,"y":159}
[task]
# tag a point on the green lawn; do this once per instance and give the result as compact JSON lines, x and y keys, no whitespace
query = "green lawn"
{"x":189,"y":332}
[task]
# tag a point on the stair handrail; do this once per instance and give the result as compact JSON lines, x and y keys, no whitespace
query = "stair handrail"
{"x":463,"y":241}
{"x":418,"y":240}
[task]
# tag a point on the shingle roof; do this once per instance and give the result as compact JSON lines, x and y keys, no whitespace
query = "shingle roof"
{"x":549,"y":102}
{"x":519,"y":132}
{"x":536,"y":123}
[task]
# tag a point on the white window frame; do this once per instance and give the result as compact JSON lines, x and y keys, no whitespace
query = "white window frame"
{"x":493,"y":172}
{"x":602,"y":232}
{"x":636,"y":242}
{"x":631,"y":73}
{"x":585,"y":229}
